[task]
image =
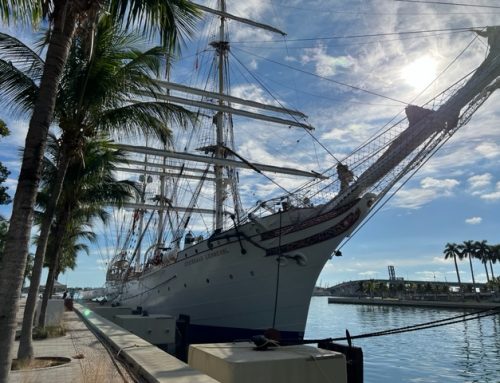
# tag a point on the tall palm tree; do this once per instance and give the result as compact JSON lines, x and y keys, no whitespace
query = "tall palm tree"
{"x":452,"y":250}
{"x":170,"y":17}
{"x":483,"y":254}
{"x":467,"y":250}
{"x":494,"y":256}
{"x":89,"y":186}
{"x":94,"y":96}
{"x":63,"y":18}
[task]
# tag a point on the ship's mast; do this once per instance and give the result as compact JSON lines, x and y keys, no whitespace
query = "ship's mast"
{"x":221,"y":48}
{"x":221,"y":148}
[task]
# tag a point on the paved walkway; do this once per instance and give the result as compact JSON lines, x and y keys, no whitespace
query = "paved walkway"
{"x":90,"y":361}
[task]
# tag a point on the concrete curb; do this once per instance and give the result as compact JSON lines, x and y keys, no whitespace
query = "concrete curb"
{"x":145,"y":359}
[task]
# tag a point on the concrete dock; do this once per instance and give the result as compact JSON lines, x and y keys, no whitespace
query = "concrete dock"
{"x":148,"y":362}
{"x":89,"y":362}
{"x":102,"y":352}
{"x":98,"y":350}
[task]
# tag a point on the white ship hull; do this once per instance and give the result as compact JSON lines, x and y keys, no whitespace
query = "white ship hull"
{"x":227,"y":286}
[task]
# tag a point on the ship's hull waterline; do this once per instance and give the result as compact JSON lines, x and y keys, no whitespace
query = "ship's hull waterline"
{"x":247,"y":280}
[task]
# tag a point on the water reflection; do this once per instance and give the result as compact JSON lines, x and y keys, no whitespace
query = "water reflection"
{"x":461,"y":352}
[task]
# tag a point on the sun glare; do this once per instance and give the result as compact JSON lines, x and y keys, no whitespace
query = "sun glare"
{"x":420,"y":73}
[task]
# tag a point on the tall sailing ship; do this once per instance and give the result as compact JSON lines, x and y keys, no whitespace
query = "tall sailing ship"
{"x":256,"y":268}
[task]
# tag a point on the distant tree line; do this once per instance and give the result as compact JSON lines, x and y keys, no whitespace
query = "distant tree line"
{"x":480,"y":250}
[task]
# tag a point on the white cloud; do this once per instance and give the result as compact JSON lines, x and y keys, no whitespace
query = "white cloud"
{"x":325,"y":65}
{"x":442,"y":184}
{"x":353,"y":132}
{"x":254,"y":10}
{"x":473,"y":220}
{"x":18,"y":130}
{"x":253,"y":64}
{"x":430,"y":189}
{"x":254,"y":93}
{"x":493,"y":196}
{"x":488,"y":149}
{"x":480,"y":181}
{"x":439,"y":261}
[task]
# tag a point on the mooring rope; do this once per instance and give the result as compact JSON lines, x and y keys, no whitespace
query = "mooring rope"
{"x":420,"y":326}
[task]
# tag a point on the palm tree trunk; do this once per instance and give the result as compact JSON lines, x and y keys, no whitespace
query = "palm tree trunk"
{"x":491,"y":269}
{"x":472,"y":273}
{"x":62,"y":221}
{"x":487,"y":274}
{"x":49,"y":286}
{"x":458,"y":274}
{"x":17,"y":241}
{"x":26,"y":343}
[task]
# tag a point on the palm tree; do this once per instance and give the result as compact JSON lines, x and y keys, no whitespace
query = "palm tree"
{"x":88,"y":187}
{"x":169,"y":17}
{"x":63,"y":19}
{"x":494,"y":256}
{"x":467,"y":250}
{"x":483,"y":253}
{"x":70,"y":249}
{"x":93,"y":97}
{"x":452,"y":250}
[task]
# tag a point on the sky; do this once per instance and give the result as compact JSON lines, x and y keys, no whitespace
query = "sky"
{"x":378,"y":47}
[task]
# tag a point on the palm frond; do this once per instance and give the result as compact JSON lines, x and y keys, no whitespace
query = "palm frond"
{"x":151,"y":118}
{"x":173,"y":20}
{"x":21,"y":56}
{"x":24,"y":12}
{"x":17,"y":90}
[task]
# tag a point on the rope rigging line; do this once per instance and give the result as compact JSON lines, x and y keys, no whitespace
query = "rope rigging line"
{"x":416,"y":169}
{"x":333,"y":99}
{"x":291,"y":116}
{"x":446,"y":68}
{"x":256,"y":169}
{"x":429,"y":101}
{"x":447,"y":3}
{"x":385,"y":129}
{"x":382,"y":131}
{"x":312,"y":9}
{"x":462,"y":29}
{"x":285,"y":41}
{"x":323,"y":78}
{"x":351,"y":43}
{"x":419,"y":326}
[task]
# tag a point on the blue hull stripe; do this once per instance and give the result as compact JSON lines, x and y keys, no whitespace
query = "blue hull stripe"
{"x":214,"y":334}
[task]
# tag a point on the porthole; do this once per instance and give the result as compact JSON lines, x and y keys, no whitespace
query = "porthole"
{"x":230,"y":276}
{"x":208,"y":280}
{"x":185,"y":285}
{"x":252,"y":273}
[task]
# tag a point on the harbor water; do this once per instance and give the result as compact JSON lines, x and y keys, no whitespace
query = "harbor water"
{"x":461,"y":352}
